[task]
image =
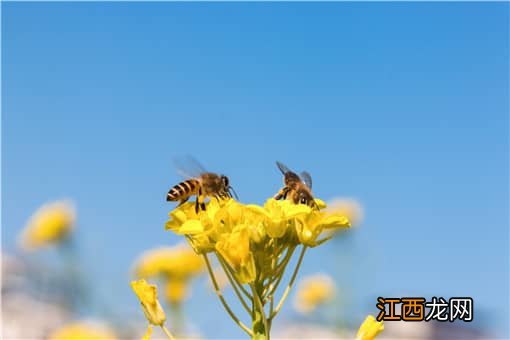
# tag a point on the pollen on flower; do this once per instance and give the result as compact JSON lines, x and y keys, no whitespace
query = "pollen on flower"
{"x":50,"y":224}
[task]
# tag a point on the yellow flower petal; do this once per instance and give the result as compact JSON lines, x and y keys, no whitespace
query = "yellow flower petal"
{"x":190,"y":227}
{"x":369,"y":329}
{"x":148,"y":296}
{"x":320,"y":203}
{"x":258,"y":209}
{"x":235,"y":248}
{"x":148,"y":333}
{"x":335,"y":221}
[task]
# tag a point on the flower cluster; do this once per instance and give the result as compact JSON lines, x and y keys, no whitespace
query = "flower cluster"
{"x":254,"y":244}
{"x":249,"y":237}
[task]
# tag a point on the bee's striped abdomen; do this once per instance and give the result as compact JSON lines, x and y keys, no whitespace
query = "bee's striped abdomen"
{"x":183,"y":190}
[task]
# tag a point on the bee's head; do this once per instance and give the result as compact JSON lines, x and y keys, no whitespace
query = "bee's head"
{"x":224,"y":181}
{"x":306,"y":198}
{"x":228,"y":190}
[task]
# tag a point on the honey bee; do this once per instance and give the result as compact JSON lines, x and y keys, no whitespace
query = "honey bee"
{"x":297,"y":189}
{"x":202,"y":184}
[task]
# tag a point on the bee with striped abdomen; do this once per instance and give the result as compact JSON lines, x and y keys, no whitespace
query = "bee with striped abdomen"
{"x":297,"y":189}
{"x":203,"y":184}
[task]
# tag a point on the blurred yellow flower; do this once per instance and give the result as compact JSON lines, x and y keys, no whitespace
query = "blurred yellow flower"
{"x":148,"y":296}
{"x":176,"y":291}
{"x":50,"y":224}
{"x":369,"y":329}
{"x":81,"y":331}
{"x":348,"y":207}
{"x":176,"y":265}
{"x":179,"y":262}
{"x":314,"y":291}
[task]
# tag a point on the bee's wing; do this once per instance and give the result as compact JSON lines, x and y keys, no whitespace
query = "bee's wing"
{"x":188,"y":167}
{"x":307,"y":179}
{"x":283,"y":168}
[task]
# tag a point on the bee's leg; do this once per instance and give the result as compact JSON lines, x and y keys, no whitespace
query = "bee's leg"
{"x":196,"y":205}
{"x":282,"y":193}
{"x":202,"y":204}
{"x":200,"y":200}
{"x":181,"y":202}
{"x":217,"y":196}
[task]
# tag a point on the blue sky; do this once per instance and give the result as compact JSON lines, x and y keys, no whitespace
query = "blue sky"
{"x":401,"y":106}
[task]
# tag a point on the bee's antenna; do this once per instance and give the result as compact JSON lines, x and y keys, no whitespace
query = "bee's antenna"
{"x":231,"y":190}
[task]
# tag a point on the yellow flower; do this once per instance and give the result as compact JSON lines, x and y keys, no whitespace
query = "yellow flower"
{"x":185,"y":221}
{"x":314,"y":291}
{"x":202,"y":227}
{"x":148,"y":296}
{"x":81,"y":331}
{"x":50,"y":224}
{"x":252,"y":238}
{"x":179,"y":262}
{"x":369,"y":329}
{"x":309,"y":227}
{"x":176,"y":291}
{"x":235,"y":248}
{"x":278,"y":215}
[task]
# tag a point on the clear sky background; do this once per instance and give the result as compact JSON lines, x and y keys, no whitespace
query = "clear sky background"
{"x":402,"y":106}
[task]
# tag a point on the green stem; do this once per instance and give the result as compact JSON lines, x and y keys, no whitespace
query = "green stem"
{"x":279,"y":267}
{"x":260,"y":325}
{"x":224,"y":264}
{"x":272,"y":288}
{"x":260,"y":307}
{"x":177,"y":318}
{"x":167,"y":332}
{"x":222,"y":299}
{"x":289,"y":286}
{"x":234,"y":283}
